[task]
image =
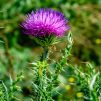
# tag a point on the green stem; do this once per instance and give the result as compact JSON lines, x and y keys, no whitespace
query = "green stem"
{"x":41,"y":78}
{"x":45,"y":54}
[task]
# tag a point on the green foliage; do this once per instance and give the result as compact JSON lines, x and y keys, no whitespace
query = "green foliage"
{"x":89,"y":80}
{"x":8,"y":93}
{"x":45,"y":80}
{"x":66,"y":75}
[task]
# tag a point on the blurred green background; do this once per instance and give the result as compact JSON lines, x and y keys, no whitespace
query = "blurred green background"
{"x":18,"y":50}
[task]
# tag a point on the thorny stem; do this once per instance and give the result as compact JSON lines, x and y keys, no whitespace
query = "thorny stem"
{"x":10,"y":63}
{"x":45,"y":54}
{"x":42,"y":75}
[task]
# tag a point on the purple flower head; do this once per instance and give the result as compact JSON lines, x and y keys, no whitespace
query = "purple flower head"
{"x":45,"y":22}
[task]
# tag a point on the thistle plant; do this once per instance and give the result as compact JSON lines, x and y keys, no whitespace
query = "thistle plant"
{"x":46,"y":26}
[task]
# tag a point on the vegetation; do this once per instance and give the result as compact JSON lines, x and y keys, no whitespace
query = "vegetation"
{"x":72,"y":70}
